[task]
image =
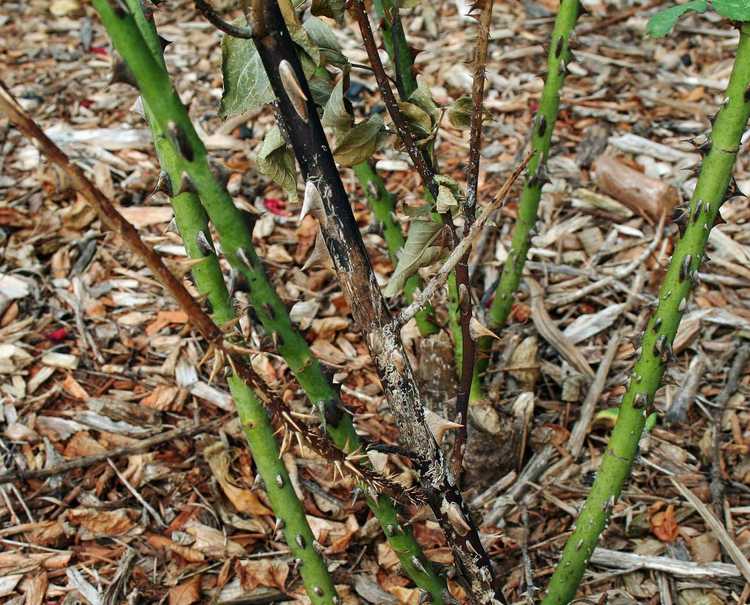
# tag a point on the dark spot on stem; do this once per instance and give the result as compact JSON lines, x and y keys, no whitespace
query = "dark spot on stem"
{"x":268,"y":310}
{"x":705,"y":148}
{"x":332,"y":412}
{"x":559,"y":47}
{"x":542,"y":126}
{"x":204,"y":244}
{"x":121,"y":74}
{"x":338,"y":253}
{"x":121,"y":11}
{"x":180,"y":141}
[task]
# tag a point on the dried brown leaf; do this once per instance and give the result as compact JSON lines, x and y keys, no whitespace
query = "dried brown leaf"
{"x":243,"y":500}
{"x":105,"y":523}
{"x":187,"y":593}
{"x":262,"y":572}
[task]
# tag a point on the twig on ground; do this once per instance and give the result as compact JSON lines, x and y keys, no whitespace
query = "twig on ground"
{"x":685,"y":569}
{"x":730,"y":388}
{"x":581,"y":427}
{"x":150,"y":509}
{"x":681,"y":404}
{"x":130,"y":450}
{"x":534,"y":468}
{"x":618,"y":274}
{"x":528,"y":570}
{"x":721,"y":534}
{"x":547,"y":329}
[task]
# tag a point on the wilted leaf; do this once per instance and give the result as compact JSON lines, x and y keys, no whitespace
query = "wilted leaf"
{"x":262,"y":572}
{"x":46,"y":533}
{"x":326,"y":327}
{"x":213,"y":542}
{"x":445,"y":202}
{"x":662,"y":22}
{"x":705,"y":548}
{"x":697,"y":596}
{"x":418,"y":251}
{"x":191,"y":555}
{"x":524,"y":363}
{"x":368,"y":589}
{"x":664,"y":525}
{"x":322,"y":35}
{"x":738,"y":10}
{"x":276,"y":161}
{"x":449,"y":194}
{"x":459,"y":113}
{"x":83,"y":444}
{"x":359,"y":143}
{"x":61,"y":8}
{"x":105,"y":523}
{"x":246,"y":85}
{"x":422,"y":98}
{"x":329,"y":8}
{"x":336,"y":114}
{"x":244,"y":500}
{"x":477,"y":330}
{"x":417,"y":118}
{"x":302,"y":39}
{"x":187,"y":593}
{"x":320,"y":82}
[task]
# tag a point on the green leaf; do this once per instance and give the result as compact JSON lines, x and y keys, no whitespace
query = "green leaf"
{"x":324,"y":38}
{"x":302,"y":39}
{"x":320,"y":82}
{"x":359,"y":143}
{"x":737,"y":10}
{"x":246,"y":86}
{"x":276,"y":161}
{"x":329,"y":8}
{"x":459,"y":113}
{"x":419,"y":251}
{"x":662,"y":22}
{"x":336,"y":114}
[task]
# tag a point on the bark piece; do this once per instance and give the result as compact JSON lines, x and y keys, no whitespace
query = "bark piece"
{"x":642,"y":194}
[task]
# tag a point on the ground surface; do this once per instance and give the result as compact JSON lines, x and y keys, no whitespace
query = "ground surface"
{"x":94,"y":356}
